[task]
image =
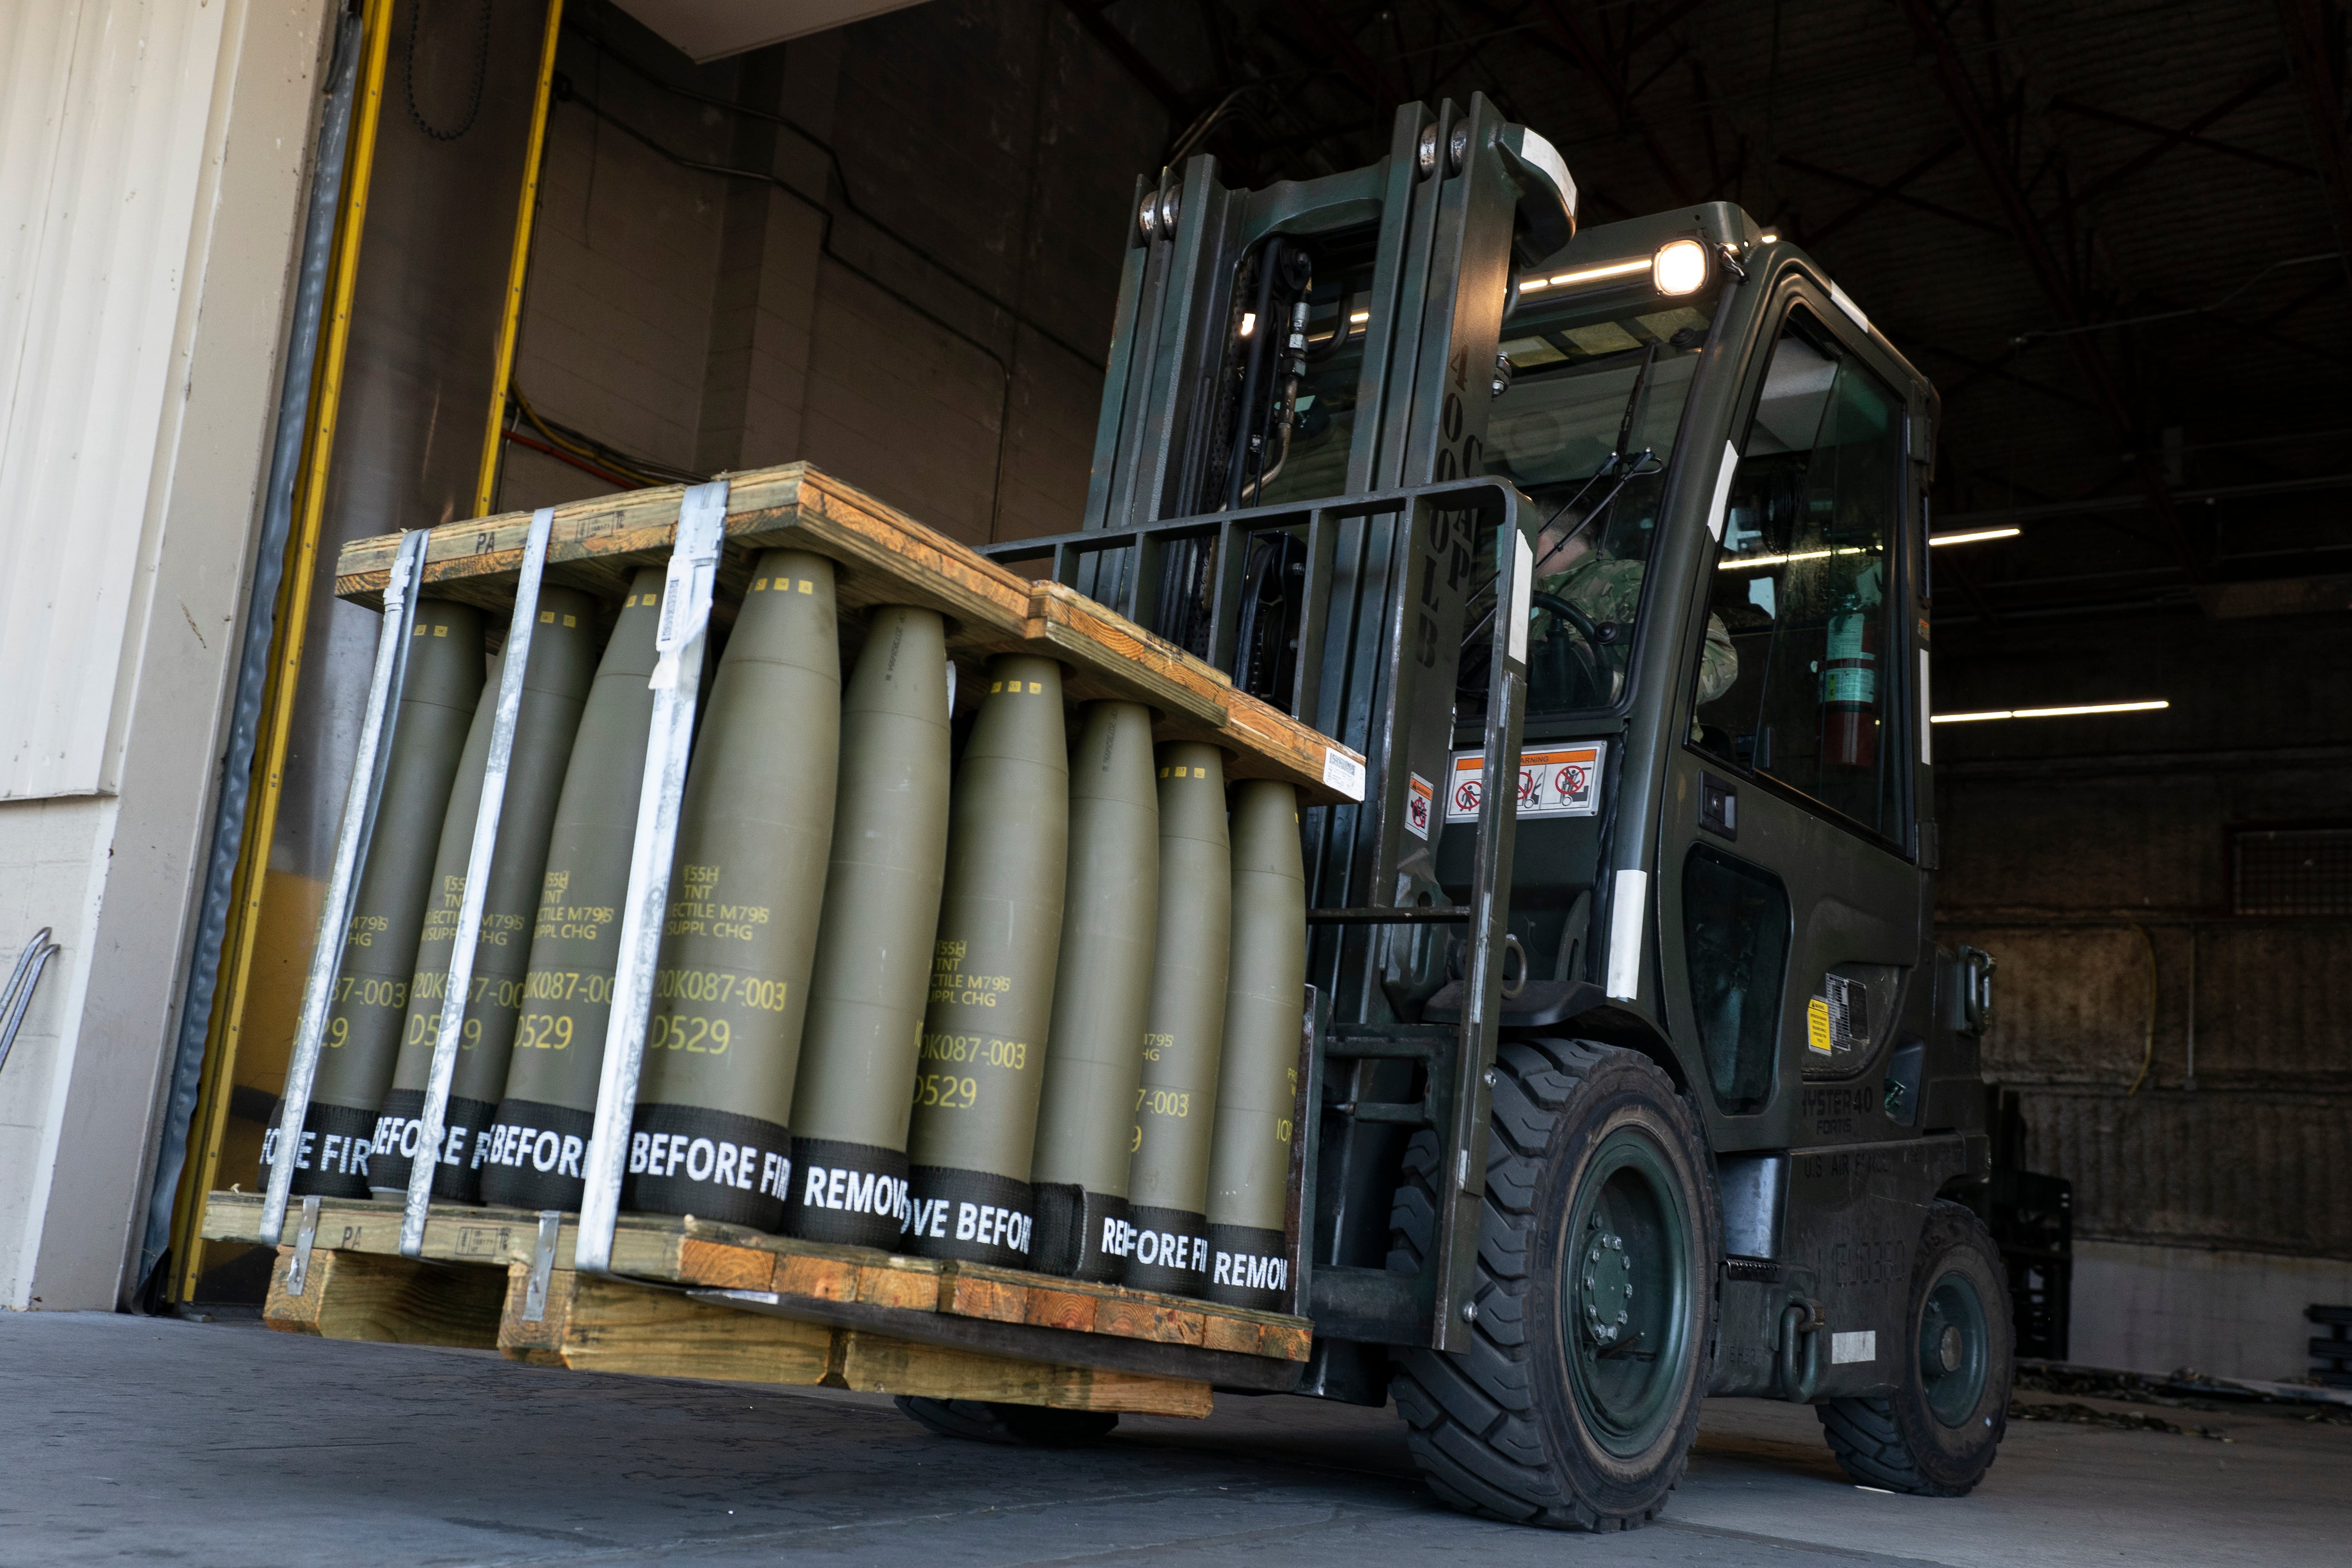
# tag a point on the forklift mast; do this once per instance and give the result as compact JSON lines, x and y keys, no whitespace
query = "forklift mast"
{"x":1534,"y":521}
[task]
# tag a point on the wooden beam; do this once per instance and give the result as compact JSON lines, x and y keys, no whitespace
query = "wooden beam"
{"x":602,"y":1325}
{"x":367,"y":1295}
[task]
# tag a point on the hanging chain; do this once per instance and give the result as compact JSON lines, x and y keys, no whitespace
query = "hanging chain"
{"x":482,"y":76}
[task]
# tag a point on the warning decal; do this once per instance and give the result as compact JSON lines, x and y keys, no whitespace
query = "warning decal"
{"x":1418,"y":794}
{"x":1817,"y":1024}
{"x":1554,"y":781}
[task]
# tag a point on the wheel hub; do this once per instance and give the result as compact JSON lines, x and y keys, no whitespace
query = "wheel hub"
{"x":1608,"y":1285}
{"x":1954,"y":1357}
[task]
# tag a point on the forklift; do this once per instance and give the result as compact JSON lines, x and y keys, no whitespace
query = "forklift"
{"x":1633,"y":1072}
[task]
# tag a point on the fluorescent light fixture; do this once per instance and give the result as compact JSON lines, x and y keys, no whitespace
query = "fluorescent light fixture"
{"x":1360,"y":318}
{"x":1679,"y":268}
{"x":2051,"y":713}
{"x":1249,"y":322}
{"x":1738,"y":561}
{"x":1974,"y":537}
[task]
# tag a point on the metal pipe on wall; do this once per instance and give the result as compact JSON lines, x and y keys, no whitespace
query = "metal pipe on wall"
{"x":486,"y":486}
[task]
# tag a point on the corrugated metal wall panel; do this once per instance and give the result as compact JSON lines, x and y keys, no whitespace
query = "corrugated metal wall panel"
{"x":99,"y":202}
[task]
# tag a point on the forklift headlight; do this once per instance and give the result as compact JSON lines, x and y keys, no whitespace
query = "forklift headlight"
{"x":1679,"y":268}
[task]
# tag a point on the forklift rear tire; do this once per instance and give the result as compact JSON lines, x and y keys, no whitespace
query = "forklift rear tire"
{"x":1937,"y":1435}
{"x":1577,"y":1402}
{"x":1027,"y":1426}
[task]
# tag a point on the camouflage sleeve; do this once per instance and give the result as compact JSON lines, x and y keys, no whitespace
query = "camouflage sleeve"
{"x":1718,"y":665}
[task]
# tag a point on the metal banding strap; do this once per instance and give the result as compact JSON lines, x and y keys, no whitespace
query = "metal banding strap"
{"x":676,"y":682}
{"x":433,"y":1116}
{"x":350,"y":849}
{"x":298,"y":1268}
{"x":542,"y":1265}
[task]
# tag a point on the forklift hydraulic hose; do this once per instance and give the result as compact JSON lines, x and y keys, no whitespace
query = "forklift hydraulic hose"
{"x":1245,"y":418}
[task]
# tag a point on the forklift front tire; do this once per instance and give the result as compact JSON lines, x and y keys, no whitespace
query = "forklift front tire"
{"x":1937,"y":1435}
{"x":1577,"y":1402}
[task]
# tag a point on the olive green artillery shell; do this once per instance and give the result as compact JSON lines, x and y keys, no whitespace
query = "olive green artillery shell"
{"x":554,"y":690}
{"x":975,"y":1096}
{"x":549,"y":1107}
{"x":1258,"y":1087}
{"x":442,"y":682}
{"x":723,"y":1041}
{"x":872,"y":975}
{"x":1175,"y":1109}
{"x":1094,"y":1060}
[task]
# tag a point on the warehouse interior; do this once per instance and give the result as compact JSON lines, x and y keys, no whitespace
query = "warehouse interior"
{"x":2115,"y":234}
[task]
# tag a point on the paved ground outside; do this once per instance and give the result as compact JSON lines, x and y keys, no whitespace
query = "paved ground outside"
{"x":149,"y":1440}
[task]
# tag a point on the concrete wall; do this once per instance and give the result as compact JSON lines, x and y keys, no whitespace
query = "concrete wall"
{"x":2090,"y":857}
{"x":184,"y":129}
{"x":925,"y":317}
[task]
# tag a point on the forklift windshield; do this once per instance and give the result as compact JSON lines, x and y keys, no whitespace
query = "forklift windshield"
{"x":1585,"y":428}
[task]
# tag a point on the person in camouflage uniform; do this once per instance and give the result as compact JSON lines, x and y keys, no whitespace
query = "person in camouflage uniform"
{"x":1608,"y":588}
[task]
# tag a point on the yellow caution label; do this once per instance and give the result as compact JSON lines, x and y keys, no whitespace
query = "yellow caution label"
{"x":1817,"y":1024}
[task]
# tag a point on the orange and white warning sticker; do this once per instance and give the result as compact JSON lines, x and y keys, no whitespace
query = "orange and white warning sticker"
{"x":1554,"y":781}
{"x":1419,"y":793}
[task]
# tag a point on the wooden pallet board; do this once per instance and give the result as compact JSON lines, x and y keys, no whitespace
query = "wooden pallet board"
{"x":1002,"y":1312}
{"x":881,"y":557}
{"x":599,"y":1325}
{"x":602,"y":1325}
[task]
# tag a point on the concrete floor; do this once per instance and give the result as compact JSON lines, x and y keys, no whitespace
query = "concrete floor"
{"x":128,"y":1438}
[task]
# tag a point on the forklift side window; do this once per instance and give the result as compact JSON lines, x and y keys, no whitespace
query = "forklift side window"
{"x":1797,"y":683}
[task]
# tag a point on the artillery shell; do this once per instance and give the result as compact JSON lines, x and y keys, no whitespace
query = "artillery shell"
{"x":549,"y":1107}
{"x":1168,"y":1183}
{"x":443,"y":679}
{"x":975,"y":1096}
{"x":554,"y":690}
{"x":1257,"y":1086}
{"x":1094,"y":1057}
{"x":872,"y":974}
{"x":723,"y":1041}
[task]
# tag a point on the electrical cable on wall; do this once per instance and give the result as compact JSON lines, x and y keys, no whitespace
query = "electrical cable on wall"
{"x":581,"y":450}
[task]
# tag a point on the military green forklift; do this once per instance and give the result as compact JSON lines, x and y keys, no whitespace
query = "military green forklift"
{"x":1635,"y":1074}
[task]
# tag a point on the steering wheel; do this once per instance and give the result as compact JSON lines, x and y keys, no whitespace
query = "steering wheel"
{"x":1567,"y":612}
{"x":1577,"y":676}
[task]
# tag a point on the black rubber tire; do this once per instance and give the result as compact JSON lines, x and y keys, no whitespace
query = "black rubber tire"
{"x":1028,"y":1425}
{"x":1497,"y":1430}
{"x":1898,"y":1442}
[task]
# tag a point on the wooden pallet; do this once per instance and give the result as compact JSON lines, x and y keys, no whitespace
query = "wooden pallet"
{"x":705,"y":1299}
{"x":883,"y":557}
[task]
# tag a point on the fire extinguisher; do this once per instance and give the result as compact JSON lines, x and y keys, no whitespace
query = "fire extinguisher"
{"x":1849,"y":688}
